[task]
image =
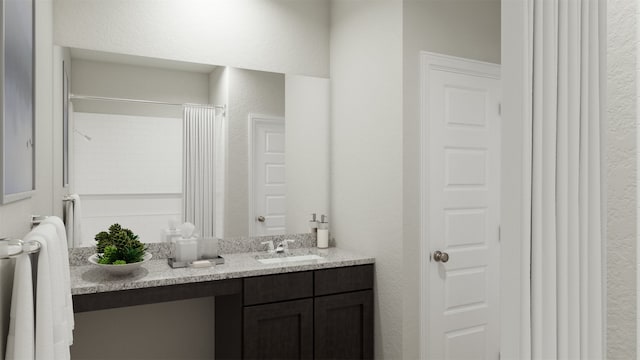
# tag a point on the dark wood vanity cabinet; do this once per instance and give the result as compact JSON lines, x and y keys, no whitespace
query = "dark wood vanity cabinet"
{"x":322,"y":314}
{"x":343,"y":326}
{"x":282,"y":330}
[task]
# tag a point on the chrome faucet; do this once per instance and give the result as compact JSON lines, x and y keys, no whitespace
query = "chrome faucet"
{"x":283,"y":247}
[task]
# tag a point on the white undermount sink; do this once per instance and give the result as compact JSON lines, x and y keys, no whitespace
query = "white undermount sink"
{"x":289,"y":259}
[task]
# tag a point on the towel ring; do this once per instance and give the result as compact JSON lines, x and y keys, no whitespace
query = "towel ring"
{"x":24,"y":247}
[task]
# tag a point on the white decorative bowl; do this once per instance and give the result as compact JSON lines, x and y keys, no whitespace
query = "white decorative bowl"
{"x":119,"y":269}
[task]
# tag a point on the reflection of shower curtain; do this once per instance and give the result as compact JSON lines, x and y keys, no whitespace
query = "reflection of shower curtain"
{"x":221,"y":160}
{"x":201,"y":159}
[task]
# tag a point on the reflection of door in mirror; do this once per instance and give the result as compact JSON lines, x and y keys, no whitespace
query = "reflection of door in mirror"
{"x":267,"y":211}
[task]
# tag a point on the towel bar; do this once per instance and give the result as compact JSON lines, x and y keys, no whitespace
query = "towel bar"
{"x":25,"y":247}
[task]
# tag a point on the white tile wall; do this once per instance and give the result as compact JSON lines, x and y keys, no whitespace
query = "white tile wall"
{"x":146,"y":215}
{"x":128,"y":173}
{"x":127,"y":154}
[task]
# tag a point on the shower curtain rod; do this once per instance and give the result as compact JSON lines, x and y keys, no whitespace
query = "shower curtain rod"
{"x":103,"y":98}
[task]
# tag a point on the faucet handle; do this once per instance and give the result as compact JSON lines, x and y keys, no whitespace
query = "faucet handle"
{"x":270,"y":243}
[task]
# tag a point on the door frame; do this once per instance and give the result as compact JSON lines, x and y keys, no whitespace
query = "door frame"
{"x":253,"y":121}
{"x":428,"y":61}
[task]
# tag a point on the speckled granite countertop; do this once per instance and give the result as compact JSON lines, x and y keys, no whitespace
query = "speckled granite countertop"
{"x":88,"y":279}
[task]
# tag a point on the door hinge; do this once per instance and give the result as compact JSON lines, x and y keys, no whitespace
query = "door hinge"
{"x":499,"y":108}
{"x":499,"y":233}
{"x":499,"y":355}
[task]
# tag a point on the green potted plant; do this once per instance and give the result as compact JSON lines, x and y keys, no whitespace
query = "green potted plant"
{"x":119,"y":250}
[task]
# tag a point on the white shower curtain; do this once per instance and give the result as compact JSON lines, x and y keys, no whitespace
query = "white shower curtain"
{"x":567,"y":243}
{"x":202,"y":167}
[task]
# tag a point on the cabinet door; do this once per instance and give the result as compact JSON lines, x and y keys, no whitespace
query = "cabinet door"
{"x":344,"y":326}
{"x":281,"y":330}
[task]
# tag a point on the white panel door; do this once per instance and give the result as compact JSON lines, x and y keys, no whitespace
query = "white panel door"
{"x":268,"y":176}
{"x":462,"y":129}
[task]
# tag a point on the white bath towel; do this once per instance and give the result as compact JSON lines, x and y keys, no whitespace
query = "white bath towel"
{"x":21,"y":337}
{"x":65,"y":285}
{"x":52,"y":324}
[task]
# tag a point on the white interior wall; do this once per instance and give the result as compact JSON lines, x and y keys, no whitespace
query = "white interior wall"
{"x":254,"y":92}
{"x":306,"y":150}
{"x":637,"y":183}
{"x":219,"y":95}
{"x":269,"y":35}
{"x":15,"y":217}
{"x":621,"y":152}
{"x":366,"y":151}
{"x":514,"y":213}
{"x":468,"y":29}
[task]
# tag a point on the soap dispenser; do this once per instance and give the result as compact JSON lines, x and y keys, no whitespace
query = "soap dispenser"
{"x":313,"y":224}
{"x":323,"y":233}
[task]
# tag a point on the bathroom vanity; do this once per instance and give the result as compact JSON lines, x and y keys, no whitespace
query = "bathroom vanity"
{"x":319,"y":309}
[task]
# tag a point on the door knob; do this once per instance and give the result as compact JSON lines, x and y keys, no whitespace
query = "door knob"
{"x":261,"y":218}
{"x":440,"y":256}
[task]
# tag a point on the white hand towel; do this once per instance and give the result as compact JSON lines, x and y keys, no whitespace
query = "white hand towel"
{"x":44,"y":295}
{"x":77,"y":221}
{"x":21,"y":338}
{"x":52,"y":327}
{"x":65,"y":285}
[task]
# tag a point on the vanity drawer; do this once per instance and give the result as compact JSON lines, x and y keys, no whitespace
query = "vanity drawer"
{"x":343,"y":279}
{"x":272,"y":288}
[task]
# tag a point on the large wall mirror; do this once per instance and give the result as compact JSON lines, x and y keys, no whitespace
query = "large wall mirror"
{"x":17,"y":111}
{"x":249,"y":149}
